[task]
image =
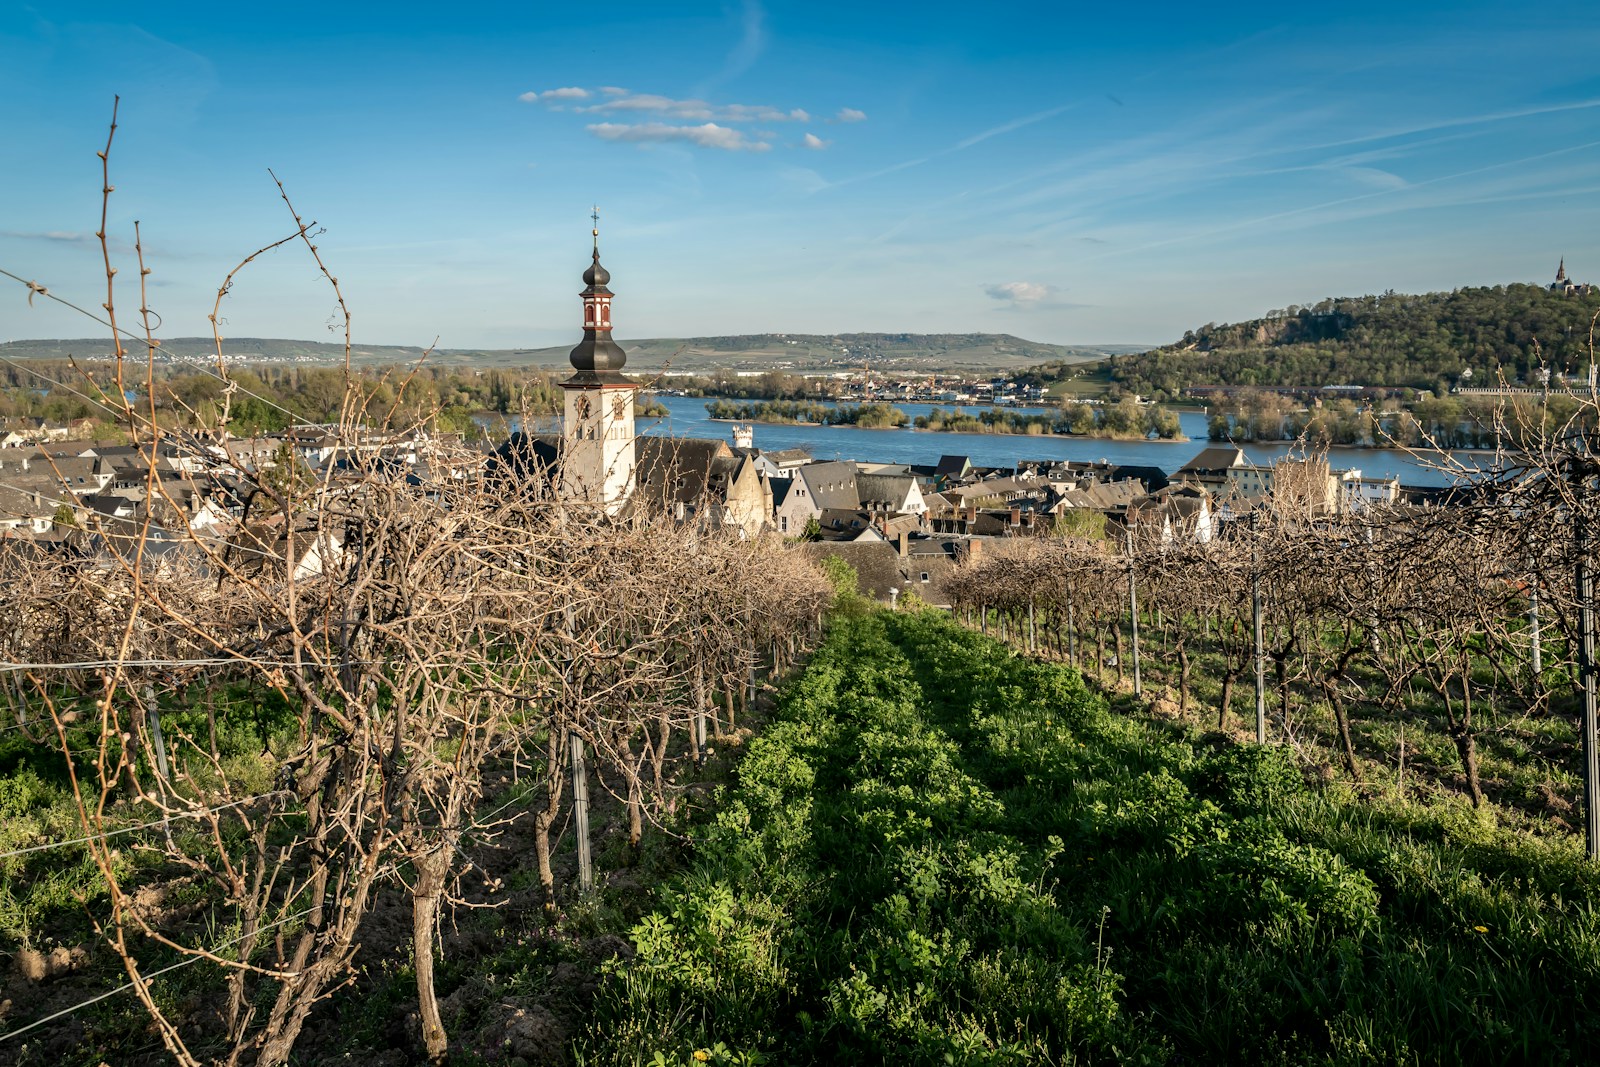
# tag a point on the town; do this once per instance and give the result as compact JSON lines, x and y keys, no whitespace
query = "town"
{"x":903,"y":527}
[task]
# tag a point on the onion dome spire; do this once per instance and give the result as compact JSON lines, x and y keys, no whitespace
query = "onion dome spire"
{"x":597,"y":352}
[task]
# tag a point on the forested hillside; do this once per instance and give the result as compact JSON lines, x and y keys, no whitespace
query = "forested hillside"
{"x":1395,"y":340}
{"x":270,"y":398}
{"x":921,"y":352}
{"x":889,"y":345}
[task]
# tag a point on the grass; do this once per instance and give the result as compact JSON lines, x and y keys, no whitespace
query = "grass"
{"x":943,"y":852}
{"x":1087,"y":382}
{"x":1527,"y":749}
{"x":940,"y":851}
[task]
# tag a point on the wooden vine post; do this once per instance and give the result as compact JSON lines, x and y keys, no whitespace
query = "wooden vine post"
{"x":580,"y":815}
{"x":1586,"y":673}
{"x":1260,"y":650}
{"x":1072,"y":634}
{"x":1133,"y":614}
{"x":1534,"y":640}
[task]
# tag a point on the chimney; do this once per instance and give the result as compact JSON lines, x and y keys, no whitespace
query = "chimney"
{"x":1016,"y":516}
{"x":905,"y":543}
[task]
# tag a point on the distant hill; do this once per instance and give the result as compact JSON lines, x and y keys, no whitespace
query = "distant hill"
{"x":797,"y":353}
{"x":1393,"y":340}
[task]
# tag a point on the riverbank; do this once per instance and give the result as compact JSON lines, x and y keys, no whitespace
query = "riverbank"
{"x":1180,"y":439}
{"x":808,"y":412}
{"x":1121,"y":422}
{"x":801,"y":422}
{"x":987,"y":432}
{"x":687,"y":418}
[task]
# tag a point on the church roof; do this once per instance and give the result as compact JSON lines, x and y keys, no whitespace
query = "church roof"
{"x":686,"y":470}
{"x":669,"y":470}
{"x":780,"y":490}
{"x":597,"y":355}
{"x":527,"y":458}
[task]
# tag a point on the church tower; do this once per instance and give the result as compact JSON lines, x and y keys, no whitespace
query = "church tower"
{"x":597,"y":463}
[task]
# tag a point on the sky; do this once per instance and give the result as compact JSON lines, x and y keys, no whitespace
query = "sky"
{"x":1076,"y":174}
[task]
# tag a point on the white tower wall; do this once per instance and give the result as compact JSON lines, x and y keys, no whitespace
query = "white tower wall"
{"x":598,"y":461}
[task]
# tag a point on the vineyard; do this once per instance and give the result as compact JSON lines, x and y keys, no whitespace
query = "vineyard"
{"x":418,"y":760}
{"x":225,"y":774}
{"x":268,"y":793}
{"x":444,"y":767}
{"x":1470,"y":625}
{"x":945,"y":851}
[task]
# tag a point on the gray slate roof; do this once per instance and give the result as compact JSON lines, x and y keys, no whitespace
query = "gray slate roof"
{"x":832,"y":484}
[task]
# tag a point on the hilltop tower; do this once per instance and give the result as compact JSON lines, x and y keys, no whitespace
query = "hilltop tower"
{"x":1565,"y":285}
{"x":597,"y":463}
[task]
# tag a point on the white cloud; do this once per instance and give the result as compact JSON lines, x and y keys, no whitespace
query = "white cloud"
{"x":850,"y":114}
{"x":571,"y":92}
{"x":1374,"y":178}
{"x":672,"y":108}
{"x":804,"y":180}
{"x":1007,"y":127}
{"x":57,"y":236}
{"x":690,"y":120}
{"x":709,"y":135}
{"x":1021,"y":294}
{"x":752,"y":42}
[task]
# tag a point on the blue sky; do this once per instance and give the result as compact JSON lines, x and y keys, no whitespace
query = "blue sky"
{"x":1065,"y":173}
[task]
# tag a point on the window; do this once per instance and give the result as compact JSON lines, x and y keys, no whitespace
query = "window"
{"x":924,"y":575}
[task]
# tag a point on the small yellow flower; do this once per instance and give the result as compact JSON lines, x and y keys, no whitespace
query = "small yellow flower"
{"x":701,"y":1055}
{"x":1481,"y":929}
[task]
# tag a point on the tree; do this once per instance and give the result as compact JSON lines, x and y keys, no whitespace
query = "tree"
{"x":1086,"y":524}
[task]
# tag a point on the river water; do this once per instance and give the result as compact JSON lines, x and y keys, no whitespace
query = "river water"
{"x":687,"y":418}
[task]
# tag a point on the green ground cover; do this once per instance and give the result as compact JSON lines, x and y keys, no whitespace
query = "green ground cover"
{"x":940,"y":851}
{"x":43,"y":893}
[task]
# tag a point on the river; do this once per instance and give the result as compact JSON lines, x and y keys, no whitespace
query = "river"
{"x":687,"y":418}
